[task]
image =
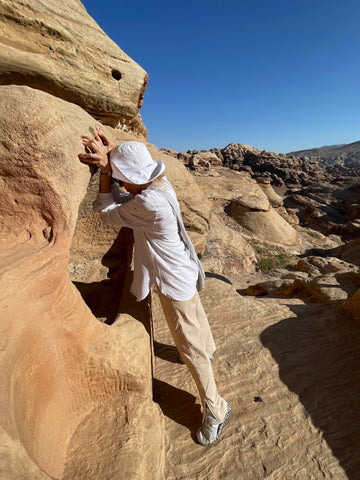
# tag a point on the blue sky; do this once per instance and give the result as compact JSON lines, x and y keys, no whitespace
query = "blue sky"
{"x":279,"y":75}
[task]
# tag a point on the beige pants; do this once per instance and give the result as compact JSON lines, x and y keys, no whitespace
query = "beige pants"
{"x":191,"y":332}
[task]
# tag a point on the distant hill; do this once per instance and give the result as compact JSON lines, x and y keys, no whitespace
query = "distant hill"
{"x":347,"y":155}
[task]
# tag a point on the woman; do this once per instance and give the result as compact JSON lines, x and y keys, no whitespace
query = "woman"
{"x":162,"y":257}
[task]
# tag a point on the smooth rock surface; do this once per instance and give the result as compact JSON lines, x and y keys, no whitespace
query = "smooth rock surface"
{"x":60,"y":49}
{"x":275,"y":199}
{"x":266,"y":225}
{"x":227,"y":251}
{"x":288,"y":370}
{"x":73,"y":390}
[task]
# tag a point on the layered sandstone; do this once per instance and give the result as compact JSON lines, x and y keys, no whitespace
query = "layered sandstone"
{"x":282,"y":169}
{"x":75,"y":393}
{"x":286,"y":368}
{"x":60,"y":49}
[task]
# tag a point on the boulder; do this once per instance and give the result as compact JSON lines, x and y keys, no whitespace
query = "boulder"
{"x":227,"y":252}
{"x":349,"y":252}
{"x":204,"y":159}
{"x":324,"y":265}
{"x":352,"y":306}
{"x":275,"y":199}
{"x":254,"y":200}
{"x":266,"y":225}
{"x":75,"y":393}
{"x":60,"y":49}
{"x":322,"y":289}
{"x":288,"y":214}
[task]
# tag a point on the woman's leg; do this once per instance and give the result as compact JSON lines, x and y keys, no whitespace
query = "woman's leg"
{"x":188,"y":335}
{"x":204,"y":324}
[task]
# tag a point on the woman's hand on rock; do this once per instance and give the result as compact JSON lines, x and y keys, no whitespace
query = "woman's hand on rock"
{"x":97,"y":151}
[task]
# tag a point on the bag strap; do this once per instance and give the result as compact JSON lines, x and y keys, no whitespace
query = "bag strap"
{"x":186,"y":239}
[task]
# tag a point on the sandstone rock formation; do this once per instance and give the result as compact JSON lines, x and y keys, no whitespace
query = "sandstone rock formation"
{"x":329,"y":208}
{"x":281,"y":365}
{"x":204,"y":159}
{"x":281,"y":168}
{"x":75,"y":370}
{"x":267,"y":225}
{"x":337,"y":159}
{"x":350,"y":251}
{"x":274,"y":198}
{"x":60,"y":49}
{"x":352,"y":306}
{"x":253,"y":211}
{"x":75,"y":395}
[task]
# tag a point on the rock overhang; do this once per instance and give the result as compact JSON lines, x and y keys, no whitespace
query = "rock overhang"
{"x":61,"y":50}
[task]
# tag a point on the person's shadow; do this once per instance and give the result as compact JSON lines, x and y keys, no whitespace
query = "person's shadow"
{"x":103,"y":298}
{"x":178,"y":405}
{"x":318,"y":353}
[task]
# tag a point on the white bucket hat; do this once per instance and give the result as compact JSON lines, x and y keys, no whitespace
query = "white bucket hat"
{"x":131,"y":162}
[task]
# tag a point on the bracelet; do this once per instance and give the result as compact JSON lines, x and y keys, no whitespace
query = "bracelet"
{"x":103,"y":173}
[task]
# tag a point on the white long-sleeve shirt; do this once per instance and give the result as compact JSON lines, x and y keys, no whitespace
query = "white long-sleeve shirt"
{"x":160,"y":254}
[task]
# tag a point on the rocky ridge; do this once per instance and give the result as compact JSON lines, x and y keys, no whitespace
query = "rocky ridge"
{"x":337,"y":159}
{"x":304,"y":168}
{"x":280,"y":168}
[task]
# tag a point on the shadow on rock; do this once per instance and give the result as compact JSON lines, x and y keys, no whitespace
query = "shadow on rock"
{"x":103,"y":297}
{"x":166,"y":352}
{"x":178,"y":405}
{"x":318,"y":354}
{"x":217,"y":276}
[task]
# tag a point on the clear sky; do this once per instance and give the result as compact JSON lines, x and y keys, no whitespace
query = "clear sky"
{"x":279,"y":75}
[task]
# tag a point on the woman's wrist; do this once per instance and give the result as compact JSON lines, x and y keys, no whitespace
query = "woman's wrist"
{"x":105,"y":183}
{"x":105,"y":170}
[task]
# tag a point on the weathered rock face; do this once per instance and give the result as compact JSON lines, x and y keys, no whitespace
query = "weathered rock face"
{"x":281,"y":168}
{"x":252,"y":210}
{"x":60,"y":49}
{"x":328,"y":208}
{"x":204,"y":159}
{"x":350,"y":252}
{"x":337,"y":159}
{"x":352,"y":306}
{"x":281,"y":365}
{"x":73,"y":390}
{"x":266,"y":225}
{"x":227,"y":251}
{"x":275,"y":199}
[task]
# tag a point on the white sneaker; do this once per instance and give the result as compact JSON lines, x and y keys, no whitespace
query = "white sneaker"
{"x":211,"y":429}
